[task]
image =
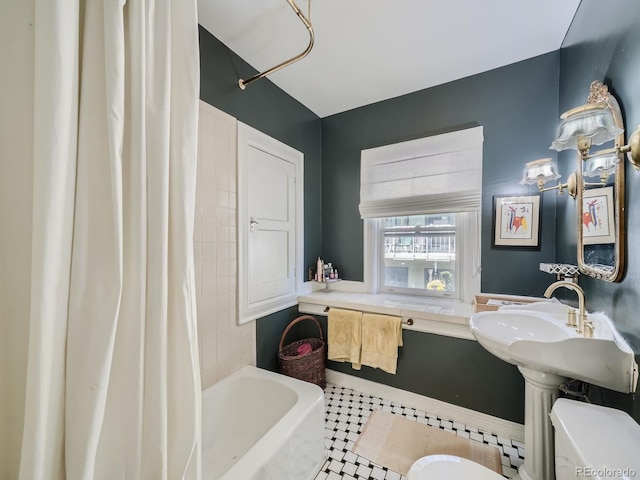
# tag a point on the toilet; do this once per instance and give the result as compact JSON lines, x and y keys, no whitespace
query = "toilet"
{"x":449,"y":467}
{"x":594,"y":442}
{"x":590,"y":442}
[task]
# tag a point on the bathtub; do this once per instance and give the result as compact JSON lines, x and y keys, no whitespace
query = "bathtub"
{"x":260,"y":425}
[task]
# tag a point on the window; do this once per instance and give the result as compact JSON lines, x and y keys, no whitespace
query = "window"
{"x":451,"y":246}
{"x":420,"y":201}
{"x":419,"y":254}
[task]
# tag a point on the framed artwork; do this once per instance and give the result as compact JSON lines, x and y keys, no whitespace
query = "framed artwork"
{"x":598,"y":216}
{"x":516,"y":221}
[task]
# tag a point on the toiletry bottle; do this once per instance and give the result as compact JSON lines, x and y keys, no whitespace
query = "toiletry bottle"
{"x":320,"y":270}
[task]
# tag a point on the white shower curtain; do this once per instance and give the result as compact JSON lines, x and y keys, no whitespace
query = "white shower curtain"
{"x":113,"y":389}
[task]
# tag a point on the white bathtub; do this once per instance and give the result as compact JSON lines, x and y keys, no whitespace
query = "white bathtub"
{"x":260,"y":425}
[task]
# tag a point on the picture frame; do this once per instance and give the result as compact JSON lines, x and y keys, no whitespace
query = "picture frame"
{"x":516,"y":221}
{"x":598,"y":216}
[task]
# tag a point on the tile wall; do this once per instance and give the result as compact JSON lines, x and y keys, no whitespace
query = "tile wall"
{"x":224,"y":345}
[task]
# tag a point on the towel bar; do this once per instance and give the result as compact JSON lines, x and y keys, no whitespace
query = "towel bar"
{"x":408,"y":322}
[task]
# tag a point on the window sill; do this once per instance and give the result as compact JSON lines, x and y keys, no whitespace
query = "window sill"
{"x":429,"y":315}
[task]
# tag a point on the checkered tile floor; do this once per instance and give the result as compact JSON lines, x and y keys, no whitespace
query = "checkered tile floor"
{"x":347,"y":412}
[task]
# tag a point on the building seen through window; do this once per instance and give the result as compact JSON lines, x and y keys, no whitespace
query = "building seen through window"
{"x":420,"y":253}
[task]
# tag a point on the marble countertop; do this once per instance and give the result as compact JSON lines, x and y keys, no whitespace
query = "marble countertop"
{"x":443,"y":310}
{"x":429,"y":314}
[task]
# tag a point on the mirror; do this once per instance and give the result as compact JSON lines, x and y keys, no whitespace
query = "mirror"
{"x":600,"y":204}
{"x":598,"y":182}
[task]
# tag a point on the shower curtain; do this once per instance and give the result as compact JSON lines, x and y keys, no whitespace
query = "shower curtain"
{"x":112,"y":388}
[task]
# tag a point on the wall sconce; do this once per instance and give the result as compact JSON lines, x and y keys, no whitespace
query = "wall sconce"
{"x":581,"y":127}
{"x":594,"y":124}
{"x":601,"y":164}
{"x":539,"y":172}
{"x":597,"y":122}
{"x":632,"y":149}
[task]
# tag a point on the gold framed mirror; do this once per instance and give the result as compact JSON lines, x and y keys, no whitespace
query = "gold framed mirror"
{"x":600,"y":205}
{"x":598,"y":184}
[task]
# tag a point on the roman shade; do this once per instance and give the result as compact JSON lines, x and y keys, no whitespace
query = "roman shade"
{"x":441,"y":173}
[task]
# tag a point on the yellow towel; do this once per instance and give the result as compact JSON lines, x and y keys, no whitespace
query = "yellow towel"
{"x":381,"y":337}
{"x":344,"y":334}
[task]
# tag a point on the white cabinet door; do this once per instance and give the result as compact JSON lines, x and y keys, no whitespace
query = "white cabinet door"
{"x":269,"y":223}
{"x":271,"y":238}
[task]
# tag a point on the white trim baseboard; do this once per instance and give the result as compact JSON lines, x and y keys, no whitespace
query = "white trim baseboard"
{"x":481,"y":421}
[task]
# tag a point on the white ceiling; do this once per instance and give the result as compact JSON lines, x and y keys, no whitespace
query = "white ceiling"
{"x":371,"y":50}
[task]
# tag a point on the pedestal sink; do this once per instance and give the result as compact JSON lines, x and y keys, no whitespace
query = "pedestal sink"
{"x":535,"y":338}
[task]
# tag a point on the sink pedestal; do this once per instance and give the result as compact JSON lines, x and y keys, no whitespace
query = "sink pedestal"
{"x":540,"y":391}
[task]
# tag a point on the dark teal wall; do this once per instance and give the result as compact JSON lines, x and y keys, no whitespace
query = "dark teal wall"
{"x":516,"y":105}
{"x":604,"y":44}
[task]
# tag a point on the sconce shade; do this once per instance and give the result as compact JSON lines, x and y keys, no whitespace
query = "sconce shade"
{"x":601,"y":164}
{"x":592,"y":123}
{"x":539,"y":172}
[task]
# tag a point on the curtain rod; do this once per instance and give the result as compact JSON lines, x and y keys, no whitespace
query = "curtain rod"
{"x":307,"y":23}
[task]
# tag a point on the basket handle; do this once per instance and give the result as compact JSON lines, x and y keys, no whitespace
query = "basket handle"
{"x":297,"y":320}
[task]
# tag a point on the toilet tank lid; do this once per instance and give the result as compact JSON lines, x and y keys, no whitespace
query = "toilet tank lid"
{"x":601,"y":436}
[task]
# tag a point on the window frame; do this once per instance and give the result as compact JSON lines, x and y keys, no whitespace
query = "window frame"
{"x":468,"y":249}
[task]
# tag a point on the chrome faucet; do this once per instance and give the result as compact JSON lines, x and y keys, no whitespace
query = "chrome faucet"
{"x":584,"y":327}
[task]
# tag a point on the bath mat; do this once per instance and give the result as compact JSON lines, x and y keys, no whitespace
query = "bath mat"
{"x":396,"y":442}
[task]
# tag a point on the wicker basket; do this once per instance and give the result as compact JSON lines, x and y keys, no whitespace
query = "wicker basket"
{"x":310,"y":366}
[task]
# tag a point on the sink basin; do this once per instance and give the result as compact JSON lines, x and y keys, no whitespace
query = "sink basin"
{"x":536,"y":337}
{"x":498,"y":331}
